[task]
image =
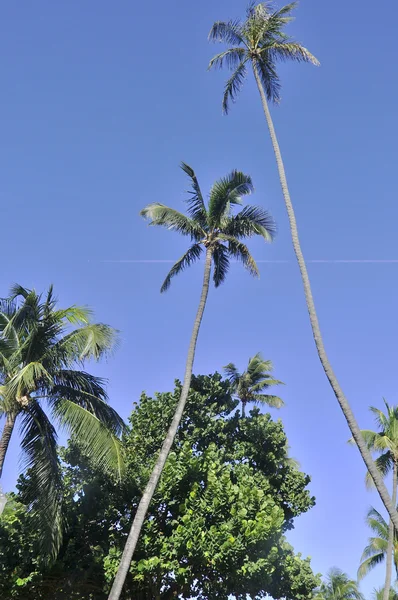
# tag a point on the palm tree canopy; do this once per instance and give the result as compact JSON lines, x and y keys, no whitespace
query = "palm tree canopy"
{"x":338,"y":586}
{"x":250,"y":385}
{"x":376,"y":550}
{"x":43,"y":350}
{"x":214,"y":224}
{"x":260,"y":38}
{"x":385,"y":441}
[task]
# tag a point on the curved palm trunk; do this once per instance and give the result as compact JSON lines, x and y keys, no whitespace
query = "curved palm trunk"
{"x":344,"y":405}
{"x":5,"y":439}
{"x":167,"y":444}
{"x":391,"y":534}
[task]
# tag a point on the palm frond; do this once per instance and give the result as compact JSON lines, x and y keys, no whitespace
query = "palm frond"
{"x":287,"y":50}
{"x":250,"y":221}
{"x":269,"y":77}
{"x":380,"y":418}
{"x":221,"y":264}
{"x":229,"y":32}
{"x":196,"y":205}
{"x":27,"y":379}
{"x":162,"y":215}
{"x":369,"y":564}
{"x":186,"y":260}
{"x":43,"y":493}
{"x":384,"y":463}
{"x":76,"y":315}
{"x":241,"y":252}
{"x":232,"y":373}
{"x":225,"y":192}
{"x":231,"y":57}
{"x":233,"y":86}
{"x":270,"y":400}
{"x":98,"y":442}
{"x":88,"y":391}
{"x":92,"y":341}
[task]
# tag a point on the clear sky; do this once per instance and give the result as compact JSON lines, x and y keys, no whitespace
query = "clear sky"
{"x":101,"y":101}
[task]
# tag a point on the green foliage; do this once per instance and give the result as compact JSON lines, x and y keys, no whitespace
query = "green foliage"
{"x":214,"y":226}
{"x":250,"y":385}
{"x":42,"y":350}
{"x":376,"y":550}
{"x":338,"y":586}
{"x":215,"y":526}
{"x":261,"y":41}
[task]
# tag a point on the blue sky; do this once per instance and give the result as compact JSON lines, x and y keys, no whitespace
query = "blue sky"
{"x":100,"y":103}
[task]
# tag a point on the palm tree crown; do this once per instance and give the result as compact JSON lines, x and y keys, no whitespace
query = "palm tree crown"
{"x":250,"y":385}
{"x":338,"y":586}
{"x":384,"y":441}
{"x":261,"y":41}
{"x":376,"y":550}
{"x":214,"y":226}
{"x":42,"y":351}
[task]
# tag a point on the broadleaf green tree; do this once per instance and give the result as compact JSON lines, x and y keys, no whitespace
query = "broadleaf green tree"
{"x":250,"y":385}
{"x":215,"y":527}
{"x":42,"y":351}
{"x":218,"y":231}
{"x":260,"y":42}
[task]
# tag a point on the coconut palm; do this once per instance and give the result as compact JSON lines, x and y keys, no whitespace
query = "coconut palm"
{"x":385,"y":443}
{"x":260,"y":42}
{"x":250,"y":385}
{"x":378,"y":594}
{"x":215,"y":230}
{"x":42,"y":351}
{"x":338,"y":586}
{"x":376,"y":551}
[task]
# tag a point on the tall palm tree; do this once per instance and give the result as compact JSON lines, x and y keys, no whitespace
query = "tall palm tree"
{"x":42,"y":351}
{"x":250,"y":385}
{"x":377,"y":549}
{"x":260,"y":42}
{"x":217,"y":231}
{"x":338,"y":586}
{"x":385,"y":442}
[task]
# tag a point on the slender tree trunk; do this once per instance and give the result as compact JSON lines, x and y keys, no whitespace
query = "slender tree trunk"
{"x":5,"y":439}
{"x":167,"y":444}
{"x":243,"y":409}
{"x":344,"y":405}
{"x":391,"y":535}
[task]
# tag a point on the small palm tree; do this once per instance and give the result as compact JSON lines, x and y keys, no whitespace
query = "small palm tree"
{"x":250,"y":385}
{"x":41,"y":350}
{"x":217,"y":231}
{"x":376,"y":551}
{"x":338,"y":586}
{"x":378,"y":594}
{"x":385,"y":443}
{"x":260,"y":42}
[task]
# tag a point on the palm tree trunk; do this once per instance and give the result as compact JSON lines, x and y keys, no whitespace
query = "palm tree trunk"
{"x":391,"y":535}
{"x":344,"y":405}
{"x":167,"y":444}
{"x":5,"y":439}
{"x":243,"y":409}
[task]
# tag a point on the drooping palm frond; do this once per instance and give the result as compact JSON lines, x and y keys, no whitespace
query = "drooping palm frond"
{"x":376,"y":549}
{"x":43,"y":493}
{"x":186,"y":260}
{"x":229,"y":32}
{"x":232,"y":373}
{"x":269,"y":400}
{"x":241,"y":252}
{"x":221,"y":264}
{"x":286,"y":50}
{"x":233,"y":86}
{"x":232,"y":58}
{"x":159,"y":214}
{"x":93,"y":341}
{"x":97,"y":441}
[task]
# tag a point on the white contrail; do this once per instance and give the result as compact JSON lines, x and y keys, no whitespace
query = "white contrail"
{"x":314,"y":261}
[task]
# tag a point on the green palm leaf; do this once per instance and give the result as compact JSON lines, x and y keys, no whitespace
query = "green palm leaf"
{"x":101,"y":446}
{"x":221,"y":264}
{"x":196,"y":205}
{"x":162,"y":215}
{"x":233,"y":85}
{"x":186,"y":260}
